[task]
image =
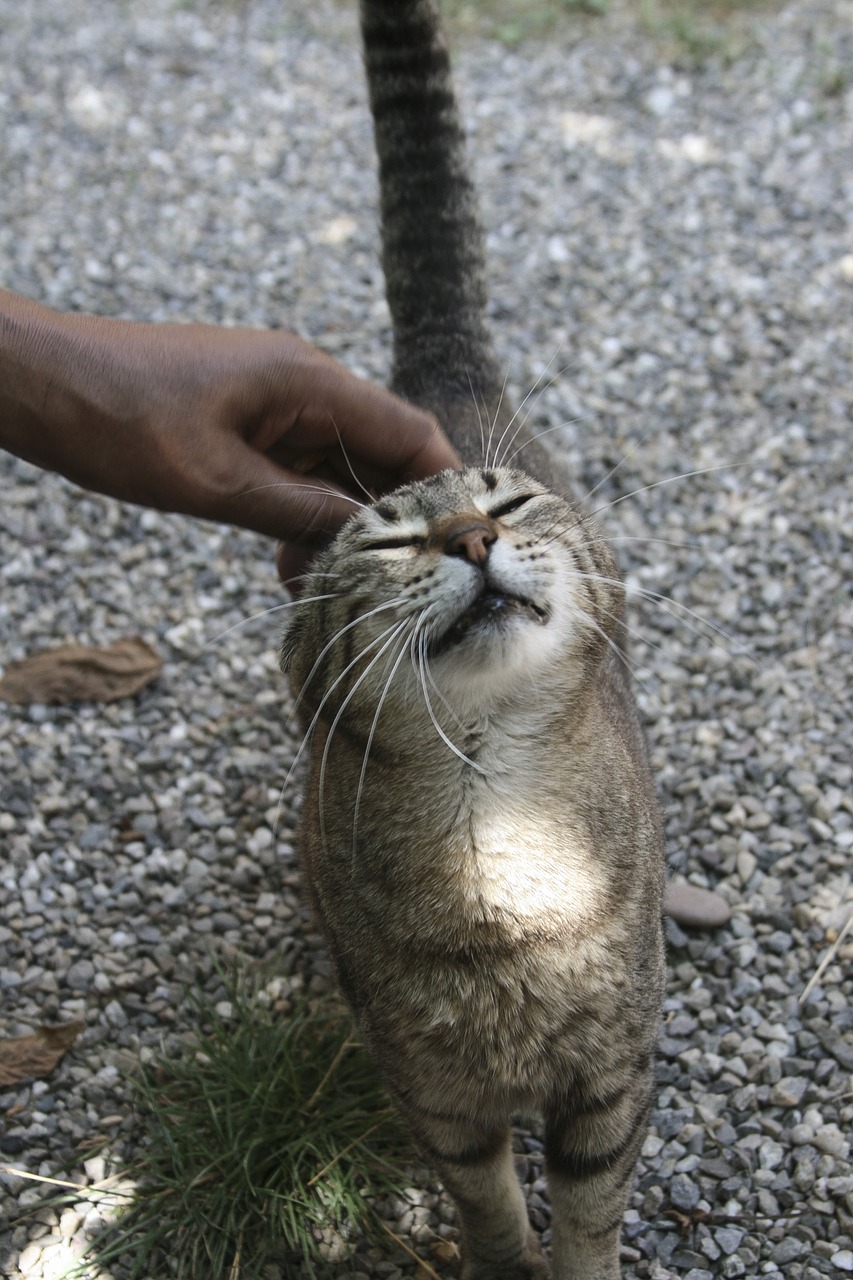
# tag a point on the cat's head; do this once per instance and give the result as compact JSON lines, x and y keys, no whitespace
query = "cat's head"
{"x":470,"y":588}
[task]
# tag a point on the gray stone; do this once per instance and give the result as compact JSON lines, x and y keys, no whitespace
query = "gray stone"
{"x":832,"y":1141}
{"x":786,"y":1251}
{"x":728,"y":1238}
{"x":683,"y":1193}
{"x":788,"y":1091}
{"x":660,"y":100}
{"x":80,"y":975}
{"x":653,"y":1201}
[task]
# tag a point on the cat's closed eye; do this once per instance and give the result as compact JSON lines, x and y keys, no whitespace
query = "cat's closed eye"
{"x":392,"y":544}
{"x":510,"y":505}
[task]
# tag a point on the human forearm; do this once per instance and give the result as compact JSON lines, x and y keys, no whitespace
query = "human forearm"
{"x":73,"y":397}
{"x":36,"y":359}
{"x":220,"y":423}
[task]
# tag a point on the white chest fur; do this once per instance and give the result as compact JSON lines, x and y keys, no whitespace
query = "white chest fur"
{"x":528,"y":853}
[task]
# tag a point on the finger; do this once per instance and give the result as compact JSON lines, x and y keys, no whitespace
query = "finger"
{"x":377,"y":427}
{"x":285,"y":504}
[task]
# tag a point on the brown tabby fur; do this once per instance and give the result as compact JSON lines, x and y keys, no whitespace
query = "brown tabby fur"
{"x":481,"y":841}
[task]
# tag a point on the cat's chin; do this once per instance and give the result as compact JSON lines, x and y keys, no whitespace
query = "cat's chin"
{"x":494,"y":649}
{"x":489,"y":617}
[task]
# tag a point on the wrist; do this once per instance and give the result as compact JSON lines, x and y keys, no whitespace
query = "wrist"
{"x":63,"y":391}
{"x":34,"y":344}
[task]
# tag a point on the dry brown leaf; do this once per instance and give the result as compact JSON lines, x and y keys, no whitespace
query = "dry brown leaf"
{"x":81,"y":673}
{"x":35,"y":1057}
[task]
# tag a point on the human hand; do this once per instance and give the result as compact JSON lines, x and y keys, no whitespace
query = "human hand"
{"x":249,"y":427}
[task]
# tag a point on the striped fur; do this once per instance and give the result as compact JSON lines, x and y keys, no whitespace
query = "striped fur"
{"x":481,"y":841}
{"x":432,"y":243}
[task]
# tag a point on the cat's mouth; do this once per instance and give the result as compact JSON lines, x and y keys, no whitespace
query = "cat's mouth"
{"x":494,"y":608}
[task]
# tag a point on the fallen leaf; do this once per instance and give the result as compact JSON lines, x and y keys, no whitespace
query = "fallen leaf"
{"x":35,"y":1057}
{"x":81,"y":673}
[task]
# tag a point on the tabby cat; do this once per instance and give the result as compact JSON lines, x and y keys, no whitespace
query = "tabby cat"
{"x":481,"y":841}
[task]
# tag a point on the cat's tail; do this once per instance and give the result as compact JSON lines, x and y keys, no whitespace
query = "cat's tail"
{"x":432,"y":240}
{"x":431,"y":236}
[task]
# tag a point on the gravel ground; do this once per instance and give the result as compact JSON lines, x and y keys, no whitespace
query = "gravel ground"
{"x":681,"y":238}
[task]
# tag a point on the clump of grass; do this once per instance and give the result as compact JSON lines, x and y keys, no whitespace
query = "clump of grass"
{"x":512,"y":22}
{"x":696,"y":30}
{"x":689,"y":30}
{"x":264,"y":1141}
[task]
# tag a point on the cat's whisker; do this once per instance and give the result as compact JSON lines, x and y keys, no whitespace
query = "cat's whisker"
{"x":666,"y":542}
{"x":627,"y":537}
{"x":306,"y":488}
{"x":684,"y":475}
{"x":637,"y":635}
{"x":537,"y":435}
{"x":422,"y":666}
{"x":371,"y":497}
{"x":732,"y":647}
{"x":562,"y":525}
{"x":612,"y":472}
{"x":395,"y":632}
{"x":306,"y":737}
{"x":520,"y":413}
{"x":621,"y":653}
{"x":379,"y":704}
{"x":494,"y":421}
{"x":342,"y":631}
{"x":579,"y":518}
{"x":438,"y":693}
{"x":266,"y":613}
{"x":668,"y":603}
{"x":478,"y":413}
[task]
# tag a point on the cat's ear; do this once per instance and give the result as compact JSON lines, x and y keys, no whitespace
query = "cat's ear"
{"x":289,"y":644}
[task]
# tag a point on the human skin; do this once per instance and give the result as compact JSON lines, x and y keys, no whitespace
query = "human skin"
{"x":255,"y":428}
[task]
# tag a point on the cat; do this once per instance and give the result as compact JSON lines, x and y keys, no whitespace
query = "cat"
{"x":480,"y":841}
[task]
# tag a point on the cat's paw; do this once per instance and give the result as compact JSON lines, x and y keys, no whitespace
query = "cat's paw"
{"x":530,"y":1266}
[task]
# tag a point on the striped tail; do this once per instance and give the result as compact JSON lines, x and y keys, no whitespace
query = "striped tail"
{"x":432,"y":241}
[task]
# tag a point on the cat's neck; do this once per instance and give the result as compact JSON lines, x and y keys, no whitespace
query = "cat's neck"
{"x":448,"y":743}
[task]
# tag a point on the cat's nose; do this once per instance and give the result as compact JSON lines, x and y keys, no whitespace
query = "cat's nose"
{"x":471,"y":542}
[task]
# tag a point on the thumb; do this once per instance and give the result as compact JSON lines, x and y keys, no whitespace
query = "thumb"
{"x":291,"y":562}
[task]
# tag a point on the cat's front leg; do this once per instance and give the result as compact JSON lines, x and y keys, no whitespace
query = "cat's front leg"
{"x":474,"y":1161}
{"x":592,"y":1145}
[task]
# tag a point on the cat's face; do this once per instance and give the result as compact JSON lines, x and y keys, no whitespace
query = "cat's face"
{"x":470,"y":587}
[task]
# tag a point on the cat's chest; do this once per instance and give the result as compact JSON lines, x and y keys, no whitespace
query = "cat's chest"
{"x":503,"y":838}
{"x":525,"y":859}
